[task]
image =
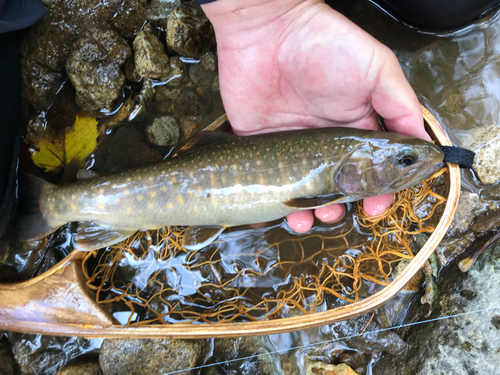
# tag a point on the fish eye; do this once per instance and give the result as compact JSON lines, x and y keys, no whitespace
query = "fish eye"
{"x":407,"y":157}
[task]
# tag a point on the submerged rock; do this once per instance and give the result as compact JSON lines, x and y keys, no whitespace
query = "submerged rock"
{"x":157,"y":356}
{"x":82,"y":368}
{"x":189,"y":32}
{"x":130,"y":70}
{"x":262,"y":360}
{"x":462,"y":344}
{"x":37,"y":354}
{"x":7,"y":362}
{"x":204,"y":73}
{"x":124,"y":148}
{"x":94,"y":68}
{"x":158,"y":11}
{"x":150,"y":58}
{"x":164,"y":131}
{"x":189,"y":103}
{"x":177,"y":73}
{"x":40,"y":84}
{"x":469,"y":205}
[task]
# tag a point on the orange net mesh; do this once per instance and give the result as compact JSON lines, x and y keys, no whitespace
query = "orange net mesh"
{"x":259,"y":274}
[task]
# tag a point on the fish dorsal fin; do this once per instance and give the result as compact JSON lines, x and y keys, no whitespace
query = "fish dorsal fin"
{"x":314,"y":202}
{"x":92,"y":236}
{"x":196,"y":238}
{"x":202,"y":139}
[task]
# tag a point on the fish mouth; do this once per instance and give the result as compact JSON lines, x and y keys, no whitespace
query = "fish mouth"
{"x":416,"y":177}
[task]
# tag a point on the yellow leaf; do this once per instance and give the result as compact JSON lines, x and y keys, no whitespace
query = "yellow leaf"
{"x":55,"y":152}
{"x":80,"y":140}
{"x":49,"y":155}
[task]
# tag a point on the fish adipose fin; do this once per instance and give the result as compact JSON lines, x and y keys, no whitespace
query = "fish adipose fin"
{"x":92,"y":236}
{"x":202,"y":139}
{"x":314,"y":202}
{"x":29,"y":222}
{"x":196,"y":238}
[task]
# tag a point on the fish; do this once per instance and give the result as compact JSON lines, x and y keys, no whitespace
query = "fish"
{"x":226,"y":180}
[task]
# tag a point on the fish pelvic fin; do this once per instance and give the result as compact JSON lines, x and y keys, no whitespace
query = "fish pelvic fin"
{"x":92,"y":236}
{"x":29,"y":221}
{"x":314,"y":202}
{"x":196,"y":238}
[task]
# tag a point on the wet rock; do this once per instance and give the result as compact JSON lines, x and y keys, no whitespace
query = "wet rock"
{"x":94,"y":68}
{"x":459,"y":345}
{"x":37,"y":354}
{"x":128,"y":17}
{"x":189,"y":125}
{"x":158,"y":11}
{"x":82,"y":368}
{"x":204,"y":73}
{"x":165,"y":93}
{"x":209,"y":61}
{"x":40,"y":84}
{"x":371,"y":343}
{"x":177,"y":73}
{"x":130,"y":71}
{"x":49,"y":40}
{"x":164,"y":131}
{"x":318,"y":367}
{"x":35,"y":129}
{"x":150,"y":58}
{"x":485,"y":142}
{"x":487,"y":162}
{"x":414,"y":284}
{"x":189,"y":32}
{"x":135,"y":356}
{"x":469,"y":205}
{"x":486,"y":222}
{"x":124,"y":148}
{"x":215,"y":84}
{"x":7,"y":362}
{"x":189,"y":103}
{"x":450,"y":248}
{"x":255,"y":347}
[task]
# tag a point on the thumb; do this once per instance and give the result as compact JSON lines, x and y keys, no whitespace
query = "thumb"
{"x":394,"y":100}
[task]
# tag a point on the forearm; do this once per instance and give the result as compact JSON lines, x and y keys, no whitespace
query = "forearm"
{"x":251,"y":18}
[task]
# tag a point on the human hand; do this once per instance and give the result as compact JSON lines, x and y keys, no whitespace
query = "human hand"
{"x":291,"y":64}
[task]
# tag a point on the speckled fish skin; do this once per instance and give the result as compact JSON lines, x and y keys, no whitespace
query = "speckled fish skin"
{"x":245,"y":180}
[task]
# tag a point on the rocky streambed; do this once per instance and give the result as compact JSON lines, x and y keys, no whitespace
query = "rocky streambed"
{"x":87,"y":58}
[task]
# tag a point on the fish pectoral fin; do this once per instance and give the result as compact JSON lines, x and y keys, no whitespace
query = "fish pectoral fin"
{"x":92,"y":236}
{"x":196,"y":238}
{"x":314,"y":202}
{"x":202,"y":139}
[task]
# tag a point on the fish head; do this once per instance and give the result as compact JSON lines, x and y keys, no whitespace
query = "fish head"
{"x":380,"y":165}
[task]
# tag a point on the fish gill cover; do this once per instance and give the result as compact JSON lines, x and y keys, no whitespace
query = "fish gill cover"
{"x":261,"y":274}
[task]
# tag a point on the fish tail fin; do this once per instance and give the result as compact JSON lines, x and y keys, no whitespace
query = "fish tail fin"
{"x":29,"y":222}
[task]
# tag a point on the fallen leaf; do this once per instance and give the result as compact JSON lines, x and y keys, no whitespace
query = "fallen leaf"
{"x":68,"y":151}
{"x":80,"y":140}
{"x":49,"y":154}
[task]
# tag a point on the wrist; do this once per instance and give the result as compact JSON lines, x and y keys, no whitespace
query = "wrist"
{"x":252,"y":19}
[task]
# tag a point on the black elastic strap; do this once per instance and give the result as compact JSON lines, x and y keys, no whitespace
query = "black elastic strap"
{"x":461,"y":156}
